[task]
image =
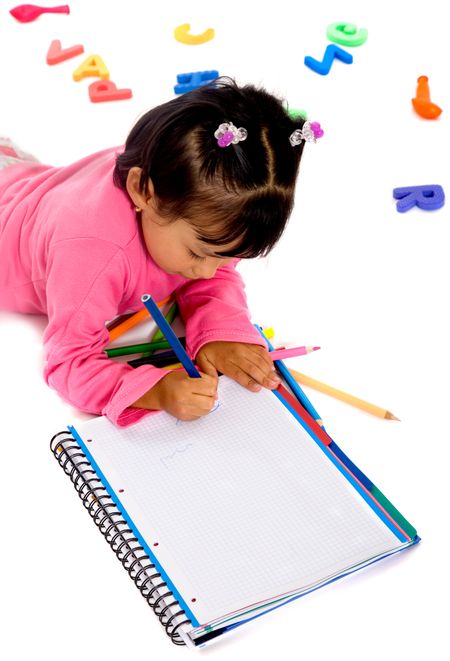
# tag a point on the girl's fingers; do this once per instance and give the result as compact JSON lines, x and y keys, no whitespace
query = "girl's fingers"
{"x":255,"y":374}
{"x":261,"y":354}
{"x":195,"y":407}
{"x":189,"y":398}
{"x":206,"y":365}
{"x":261,"y":359}
{"x":251,"y":377}
{"x":207,"y":385}
{"x":200,"y":395}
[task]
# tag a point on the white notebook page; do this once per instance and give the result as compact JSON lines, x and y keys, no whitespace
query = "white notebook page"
{"x":239,"y":506}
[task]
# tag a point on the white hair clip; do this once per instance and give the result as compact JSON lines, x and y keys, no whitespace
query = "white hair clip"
{"x":228,"y":134}
{"x":310,"y":132}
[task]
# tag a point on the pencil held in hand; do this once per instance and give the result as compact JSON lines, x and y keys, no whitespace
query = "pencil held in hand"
{"x":170,"y":336}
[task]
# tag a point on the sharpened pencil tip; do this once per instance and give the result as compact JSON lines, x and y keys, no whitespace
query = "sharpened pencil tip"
{"x":390,"y":416}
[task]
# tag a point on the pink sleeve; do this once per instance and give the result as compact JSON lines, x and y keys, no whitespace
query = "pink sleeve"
{"x":216,"y":309}
{"x":86,"y":280}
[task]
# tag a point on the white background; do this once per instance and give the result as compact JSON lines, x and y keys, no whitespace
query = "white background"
{"x":351,"y":274}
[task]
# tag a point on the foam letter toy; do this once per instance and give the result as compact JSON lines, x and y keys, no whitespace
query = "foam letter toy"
{"x":93,"y":66}
{"x":421,"y":103}
{"x":106,"y":90}
{"x":190,"y":81}
{"x":182,"y":34}
{"x":56,"y":54}
{"x":331,"y":52}
{"x":425,"y":197}
{"x":346,"y":34}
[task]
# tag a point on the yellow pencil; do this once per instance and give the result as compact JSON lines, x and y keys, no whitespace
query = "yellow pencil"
{"x":333,"y":392}
{"x":343,"y":396}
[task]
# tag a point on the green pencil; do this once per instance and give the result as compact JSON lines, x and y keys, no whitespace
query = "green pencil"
{"x":159,"y":335}
{"x":140,"y":348}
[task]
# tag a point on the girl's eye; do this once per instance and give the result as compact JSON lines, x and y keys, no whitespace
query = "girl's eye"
{"x":195,"y":256}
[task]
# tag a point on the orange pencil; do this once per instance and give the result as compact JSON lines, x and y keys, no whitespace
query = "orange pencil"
{"x":135,"y":319}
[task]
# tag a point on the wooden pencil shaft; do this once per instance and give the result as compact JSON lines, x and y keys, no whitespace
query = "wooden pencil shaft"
{"x":132,"y":321}
{"x":159,"y":335}
{"x":340,"y":394}
{"x":139,"y":348}
{"x":157,"y":359}
{"x":118,"y":321}
{"x":170,"y":316}
{"x":178,"y":348}
{"x":128,"y":324}
{"x":298,"y":392}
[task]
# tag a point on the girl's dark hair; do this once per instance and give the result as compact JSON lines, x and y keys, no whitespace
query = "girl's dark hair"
{"x":241,"y":194}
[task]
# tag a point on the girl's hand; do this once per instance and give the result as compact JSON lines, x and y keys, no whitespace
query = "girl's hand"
{"x":180,"y":395}
{"x":248,"y":364}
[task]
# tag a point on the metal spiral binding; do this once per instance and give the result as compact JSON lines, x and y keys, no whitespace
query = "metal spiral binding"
{"x":109,"y":520}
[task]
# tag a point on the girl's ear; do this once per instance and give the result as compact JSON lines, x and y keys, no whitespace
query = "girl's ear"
{"x":140,"y":199}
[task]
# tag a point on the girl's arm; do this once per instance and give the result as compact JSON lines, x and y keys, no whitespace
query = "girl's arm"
{"x":216,"y":309}
{"x":219,"y":333}
{"x":86,"y":281}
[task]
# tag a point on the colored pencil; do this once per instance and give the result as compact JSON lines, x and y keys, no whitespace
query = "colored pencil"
{"x":140,"y":348}
{"x":292,"y":383}
{"x":132,"y":321}
{"x":158,"y":335}
{"x":119,"y":320}
{"x":170,"y":336}
{"x":156,"y":359}
{"x":343,"y":396}
{"x":281,"y":354}
{"x":173,"y":366}
{"x":163,"y":359}
{"x":169,"y":317}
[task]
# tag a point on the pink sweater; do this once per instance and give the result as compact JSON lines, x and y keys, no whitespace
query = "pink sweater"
{"x":70,"y":248}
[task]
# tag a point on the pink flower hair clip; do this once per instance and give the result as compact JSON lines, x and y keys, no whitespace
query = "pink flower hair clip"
{"x":310,"y":132}
{"x":227,"y":134}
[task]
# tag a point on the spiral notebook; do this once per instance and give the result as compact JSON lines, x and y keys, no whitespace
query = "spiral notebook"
{"x":227,"y":517}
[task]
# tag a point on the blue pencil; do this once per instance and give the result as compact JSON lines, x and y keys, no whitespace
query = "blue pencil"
{"x":292,"y":383}
{"x":170,"y":336}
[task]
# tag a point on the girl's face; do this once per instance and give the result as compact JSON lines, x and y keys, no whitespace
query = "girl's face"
{"x":175,"y":247}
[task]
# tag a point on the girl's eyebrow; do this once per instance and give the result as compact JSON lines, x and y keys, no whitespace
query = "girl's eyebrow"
{"x":209,"y":253}
{"x":219,"y":255}
{"x":204,"y":251}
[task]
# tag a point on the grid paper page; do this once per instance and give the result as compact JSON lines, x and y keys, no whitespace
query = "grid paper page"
{"x":239,"y":506}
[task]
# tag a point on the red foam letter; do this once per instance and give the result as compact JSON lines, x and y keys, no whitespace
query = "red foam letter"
{"x":56,"y":54}
{"x":106,"y":90}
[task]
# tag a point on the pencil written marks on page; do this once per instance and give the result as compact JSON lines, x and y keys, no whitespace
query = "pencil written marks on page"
{"x":166,"y":460}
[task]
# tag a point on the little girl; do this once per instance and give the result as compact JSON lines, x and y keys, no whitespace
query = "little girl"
{"x":204,"y":180}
